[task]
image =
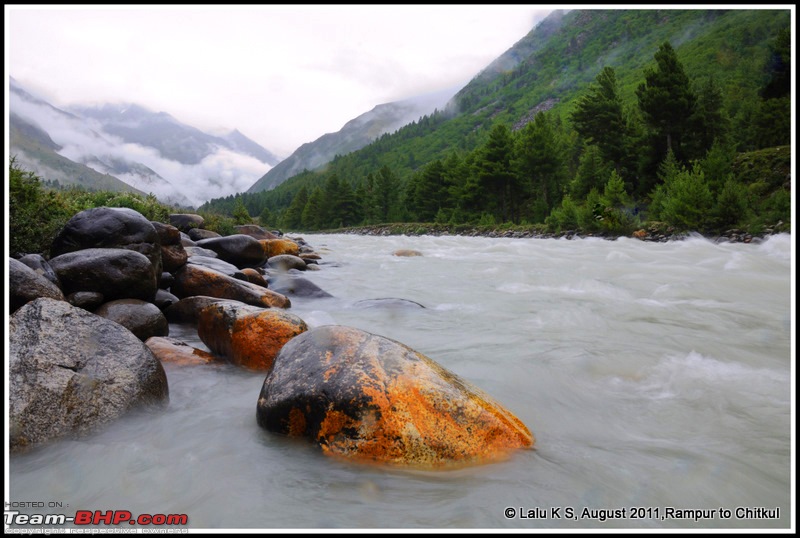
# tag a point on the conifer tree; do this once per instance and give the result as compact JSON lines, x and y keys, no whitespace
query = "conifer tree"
{"x":667,"y":101}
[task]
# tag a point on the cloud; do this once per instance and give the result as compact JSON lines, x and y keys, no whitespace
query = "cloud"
{"x":221,"y":173}
{"x":283,"y":74}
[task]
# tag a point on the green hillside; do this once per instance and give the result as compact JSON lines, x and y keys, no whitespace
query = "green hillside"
{"x":729,"y":66}
{"x":36,"y":151}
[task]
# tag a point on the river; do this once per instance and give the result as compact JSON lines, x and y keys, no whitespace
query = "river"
{"x":656,"y":378}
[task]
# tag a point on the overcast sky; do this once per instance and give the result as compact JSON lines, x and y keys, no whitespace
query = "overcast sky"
{"x":282,"y":75}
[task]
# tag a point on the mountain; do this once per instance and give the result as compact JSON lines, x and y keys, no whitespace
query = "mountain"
{"x":355,"y":134}
{"x":174,"y":140}
{"x":548,"y":70}
{"x":34,"y":150}
{"x":104,"y":145}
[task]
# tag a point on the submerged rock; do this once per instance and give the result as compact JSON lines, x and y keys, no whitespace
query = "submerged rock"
{"x":387,"y":302}
{"x":406,"y":253}
{"x":369,"y":398}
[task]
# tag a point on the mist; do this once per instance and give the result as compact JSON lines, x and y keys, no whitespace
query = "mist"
{"x":220,"y":173}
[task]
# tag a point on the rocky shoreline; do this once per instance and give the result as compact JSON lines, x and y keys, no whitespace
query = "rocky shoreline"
{"x":89,"y":341}
{"x":657,"y":234}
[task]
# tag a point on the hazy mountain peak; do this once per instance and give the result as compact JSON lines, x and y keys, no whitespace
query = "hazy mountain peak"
{"x":98,"y":144}
{"x":354,"y":135}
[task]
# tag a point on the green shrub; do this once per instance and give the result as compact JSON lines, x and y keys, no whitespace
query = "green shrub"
{"x":688,"y":201}
{"x":36,"y":215}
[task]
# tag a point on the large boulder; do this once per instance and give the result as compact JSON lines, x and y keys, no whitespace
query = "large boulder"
{"x":71,"y":372}
{"x":114,"y":272}
{"x":197,"y":280}
{"x":25,"y":285}
{"x":247,"y":335}
{"x":369,"y":398}
{"x":141,"y":318}
{"x":109,"y":227}
{"x":239,"y":249}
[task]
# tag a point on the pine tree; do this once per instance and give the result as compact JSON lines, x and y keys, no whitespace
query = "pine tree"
{"x":592,"y":170}
{"x":314,"y":213}
{"x":293,"y":218}
{"x":667,"y":101}
{"x":598,"y":117}
{"x":710,"y":123}
{"x":541,"y":163}
{"x":495,"y":173}
{"x":240,"y":213}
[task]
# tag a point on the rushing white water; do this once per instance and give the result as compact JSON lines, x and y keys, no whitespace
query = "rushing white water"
{"x":654,"y":376}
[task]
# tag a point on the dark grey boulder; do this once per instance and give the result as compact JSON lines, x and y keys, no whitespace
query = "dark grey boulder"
{"x":116,"y":273}
{"x":141,"y":318}
{"x":88,"y":300}
{"x":186,"y":221}
{"x":71,"y":372}
{"x":164,"y":299}
{"x":166,"y":281}
{"x":239,"y":249}
{"x":38,"y":263}
{"x":187,"y":310}
{"x":109,"y":227}
{"x":296,"y":286}
{"x":25,"y":285}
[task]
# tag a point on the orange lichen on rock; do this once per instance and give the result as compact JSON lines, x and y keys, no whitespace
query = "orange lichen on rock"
{"x":247,"y":335}
{"x":368,"y":398}
{"x":276,"y":247}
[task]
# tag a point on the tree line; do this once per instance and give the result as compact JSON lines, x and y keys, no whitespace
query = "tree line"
{"x":669,"y":157}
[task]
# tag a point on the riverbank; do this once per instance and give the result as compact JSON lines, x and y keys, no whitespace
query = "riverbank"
{"x":653,"y":233}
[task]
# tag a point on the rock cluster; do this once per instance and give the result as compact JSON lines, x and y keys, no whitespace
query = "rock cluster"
{"x":90,"y":330}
